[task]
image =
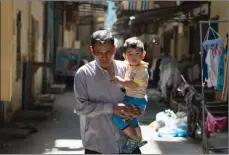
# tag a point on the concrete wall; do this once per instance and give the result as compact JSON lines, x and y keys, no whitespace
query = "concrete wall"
{"x":37,"y":11}
{"x":182,"y":42}
{"x":84,"y":37}
{"x":6,"y":53}
{"x":69,"y":36}
{"x":6,"y":46}
{"x":9,"y":11}
{"x":22,"y":7}
{"x":220,"y":9}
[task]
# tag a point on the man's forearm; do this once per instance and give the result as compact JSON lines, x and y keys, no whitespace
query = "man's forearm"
{"x":92,"y":109}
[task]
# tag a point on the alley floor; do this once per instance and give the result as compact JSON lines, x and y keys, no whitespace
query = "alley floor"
{"x":61,"y":134}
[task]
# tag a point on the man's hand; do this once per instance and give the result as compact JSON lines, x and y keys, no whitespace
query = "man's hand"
{"x":116,"y":79}
{"x":126,"y":111}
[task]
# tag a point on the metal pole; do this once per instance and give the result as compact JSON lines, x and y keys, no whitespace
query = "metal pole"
{"x":227,"y":44}
{"x":213,"y":21}
{"x":202,"y":93}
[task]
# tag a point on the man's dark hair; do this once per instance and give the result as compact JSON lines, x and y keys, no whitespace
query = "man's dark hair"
{"x":102,"y":36}
{"x":133,"y":42}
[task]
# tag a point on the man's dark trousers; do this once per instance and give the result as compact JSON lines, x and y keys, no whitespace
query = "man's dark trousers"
{"x":136,"y":151}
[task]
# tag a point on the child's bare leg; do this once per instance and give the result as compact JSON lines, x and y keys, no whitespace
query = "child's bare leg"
{"x":131,"y":133}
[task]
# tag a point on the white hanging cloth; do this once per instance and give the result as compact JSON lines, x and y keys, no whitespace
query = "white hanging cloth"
{"x":212,"y":58}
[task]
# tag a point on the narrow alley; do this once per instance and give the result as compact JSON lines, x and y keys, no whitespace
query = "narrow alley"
{"x":61,"y":134}
{"x":184,"y":47}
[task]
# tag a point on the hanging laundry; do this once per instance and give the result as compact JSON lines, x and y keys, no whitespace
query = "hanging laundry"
{"x":211,"y":57}
{"x":204,"y":65}
{"x":189,"y":71}
{"x":220,"y":80}
{"x":137,"y":5}
{"x":165,"y":81}
{"x":153,"y":66}
{"x":196,"y":72}
{"x":156,"y":73}
{"x":214,"y":124}
{"x":169,"y":74}
{"x":212,"y":61}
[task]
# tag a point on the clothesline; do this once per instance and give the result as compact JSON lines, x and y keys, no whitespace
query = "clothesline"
{"x":213,"y":21}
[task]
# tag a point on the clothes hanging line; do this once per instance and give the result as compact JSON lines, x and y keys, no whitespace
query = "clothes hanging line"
{"x":213,"y":21}
{"x":205,"y":146}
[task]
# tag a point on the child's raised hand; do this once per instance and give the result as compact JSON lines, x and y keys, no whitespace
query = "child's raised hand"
{"x":115,"y":79}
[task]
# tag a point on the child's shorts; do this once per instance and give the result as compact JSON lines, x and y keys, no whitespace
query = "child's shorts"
{"x":139,"y":103}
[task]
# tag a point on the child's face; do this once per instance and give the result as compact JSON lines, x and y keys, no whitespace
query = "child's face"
{"x":134,"y":56}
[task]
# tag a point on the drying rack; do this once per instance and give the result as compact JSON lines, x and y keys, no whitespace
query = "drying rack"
{"x":205,"y":145}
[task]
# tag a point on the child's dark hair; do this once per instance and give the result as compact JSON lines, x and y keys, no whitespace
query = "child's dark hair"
{"x":133,"y":42}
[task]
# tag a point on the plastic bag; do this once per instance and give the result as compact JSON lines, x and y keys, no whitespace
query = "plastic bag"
{"x":171,"y":132}
{"x":166,"y":116}
{"x":157,"y":125}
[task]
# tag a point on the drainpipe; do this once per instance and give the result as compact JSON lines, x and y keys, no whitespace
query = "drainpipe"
{"x":46,"y":44}
{"x":56,"y":35}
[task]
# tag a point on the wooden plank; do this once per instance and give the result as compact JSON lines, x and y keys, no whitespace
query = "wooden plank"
{"x":46,"y":98}
{"x":41,"y":64}
{"x":220,"y":105}
{"x":215,"y":102}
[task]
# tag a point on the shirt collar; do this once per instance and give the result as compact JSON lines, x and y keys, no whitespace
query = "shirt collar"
{"x":104,"y":70}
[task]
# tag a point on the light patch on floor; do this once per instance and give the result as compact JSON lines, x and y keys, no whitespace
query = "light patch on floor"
{"x":173,"y":145}
{"x":150,"y":134}
{"x":71,"y":146}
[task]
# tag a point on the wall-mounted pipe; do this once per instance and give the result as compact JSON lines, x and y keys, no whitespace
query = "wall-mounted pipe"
{"x":56,"y":33}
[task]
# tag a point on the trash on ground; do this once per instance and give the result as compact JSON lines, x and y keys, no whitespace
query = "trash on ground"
{"x":157,"y":125}
{"x":170,"y":124}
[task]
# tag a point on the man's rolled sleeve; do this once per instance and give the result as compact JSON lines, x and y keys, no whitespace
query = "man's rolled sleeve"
{"x":82,"y":104}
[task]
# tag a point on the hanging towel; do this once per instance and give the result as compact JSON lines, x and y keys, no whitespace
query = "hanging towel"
{"x":213,"y":124}
{"x":212,"y":61}
{"x":220,"y":80}
{"x":204,"y":65}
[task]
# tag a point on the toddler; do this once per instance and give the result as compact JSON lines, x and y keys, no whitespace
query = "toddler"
{"x":135,"y":84}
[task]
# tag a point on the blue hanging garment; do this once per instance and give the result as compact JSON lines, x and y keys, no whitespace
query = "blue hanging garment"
{"x":220,"y":80}
{"x":204,"y":65}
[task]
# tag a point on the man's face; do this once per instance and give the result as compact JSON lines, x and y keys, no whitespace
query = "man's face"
{"x":134,"y":56}
{"x":104,"y":53}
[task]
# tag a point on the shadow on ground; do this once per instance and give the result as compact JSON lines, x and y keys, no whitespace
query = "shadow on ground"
{"x":63,"y":130}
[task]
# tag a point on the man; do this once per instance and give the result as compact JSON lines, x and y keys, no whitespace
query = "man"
{"x":97,"y":98}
